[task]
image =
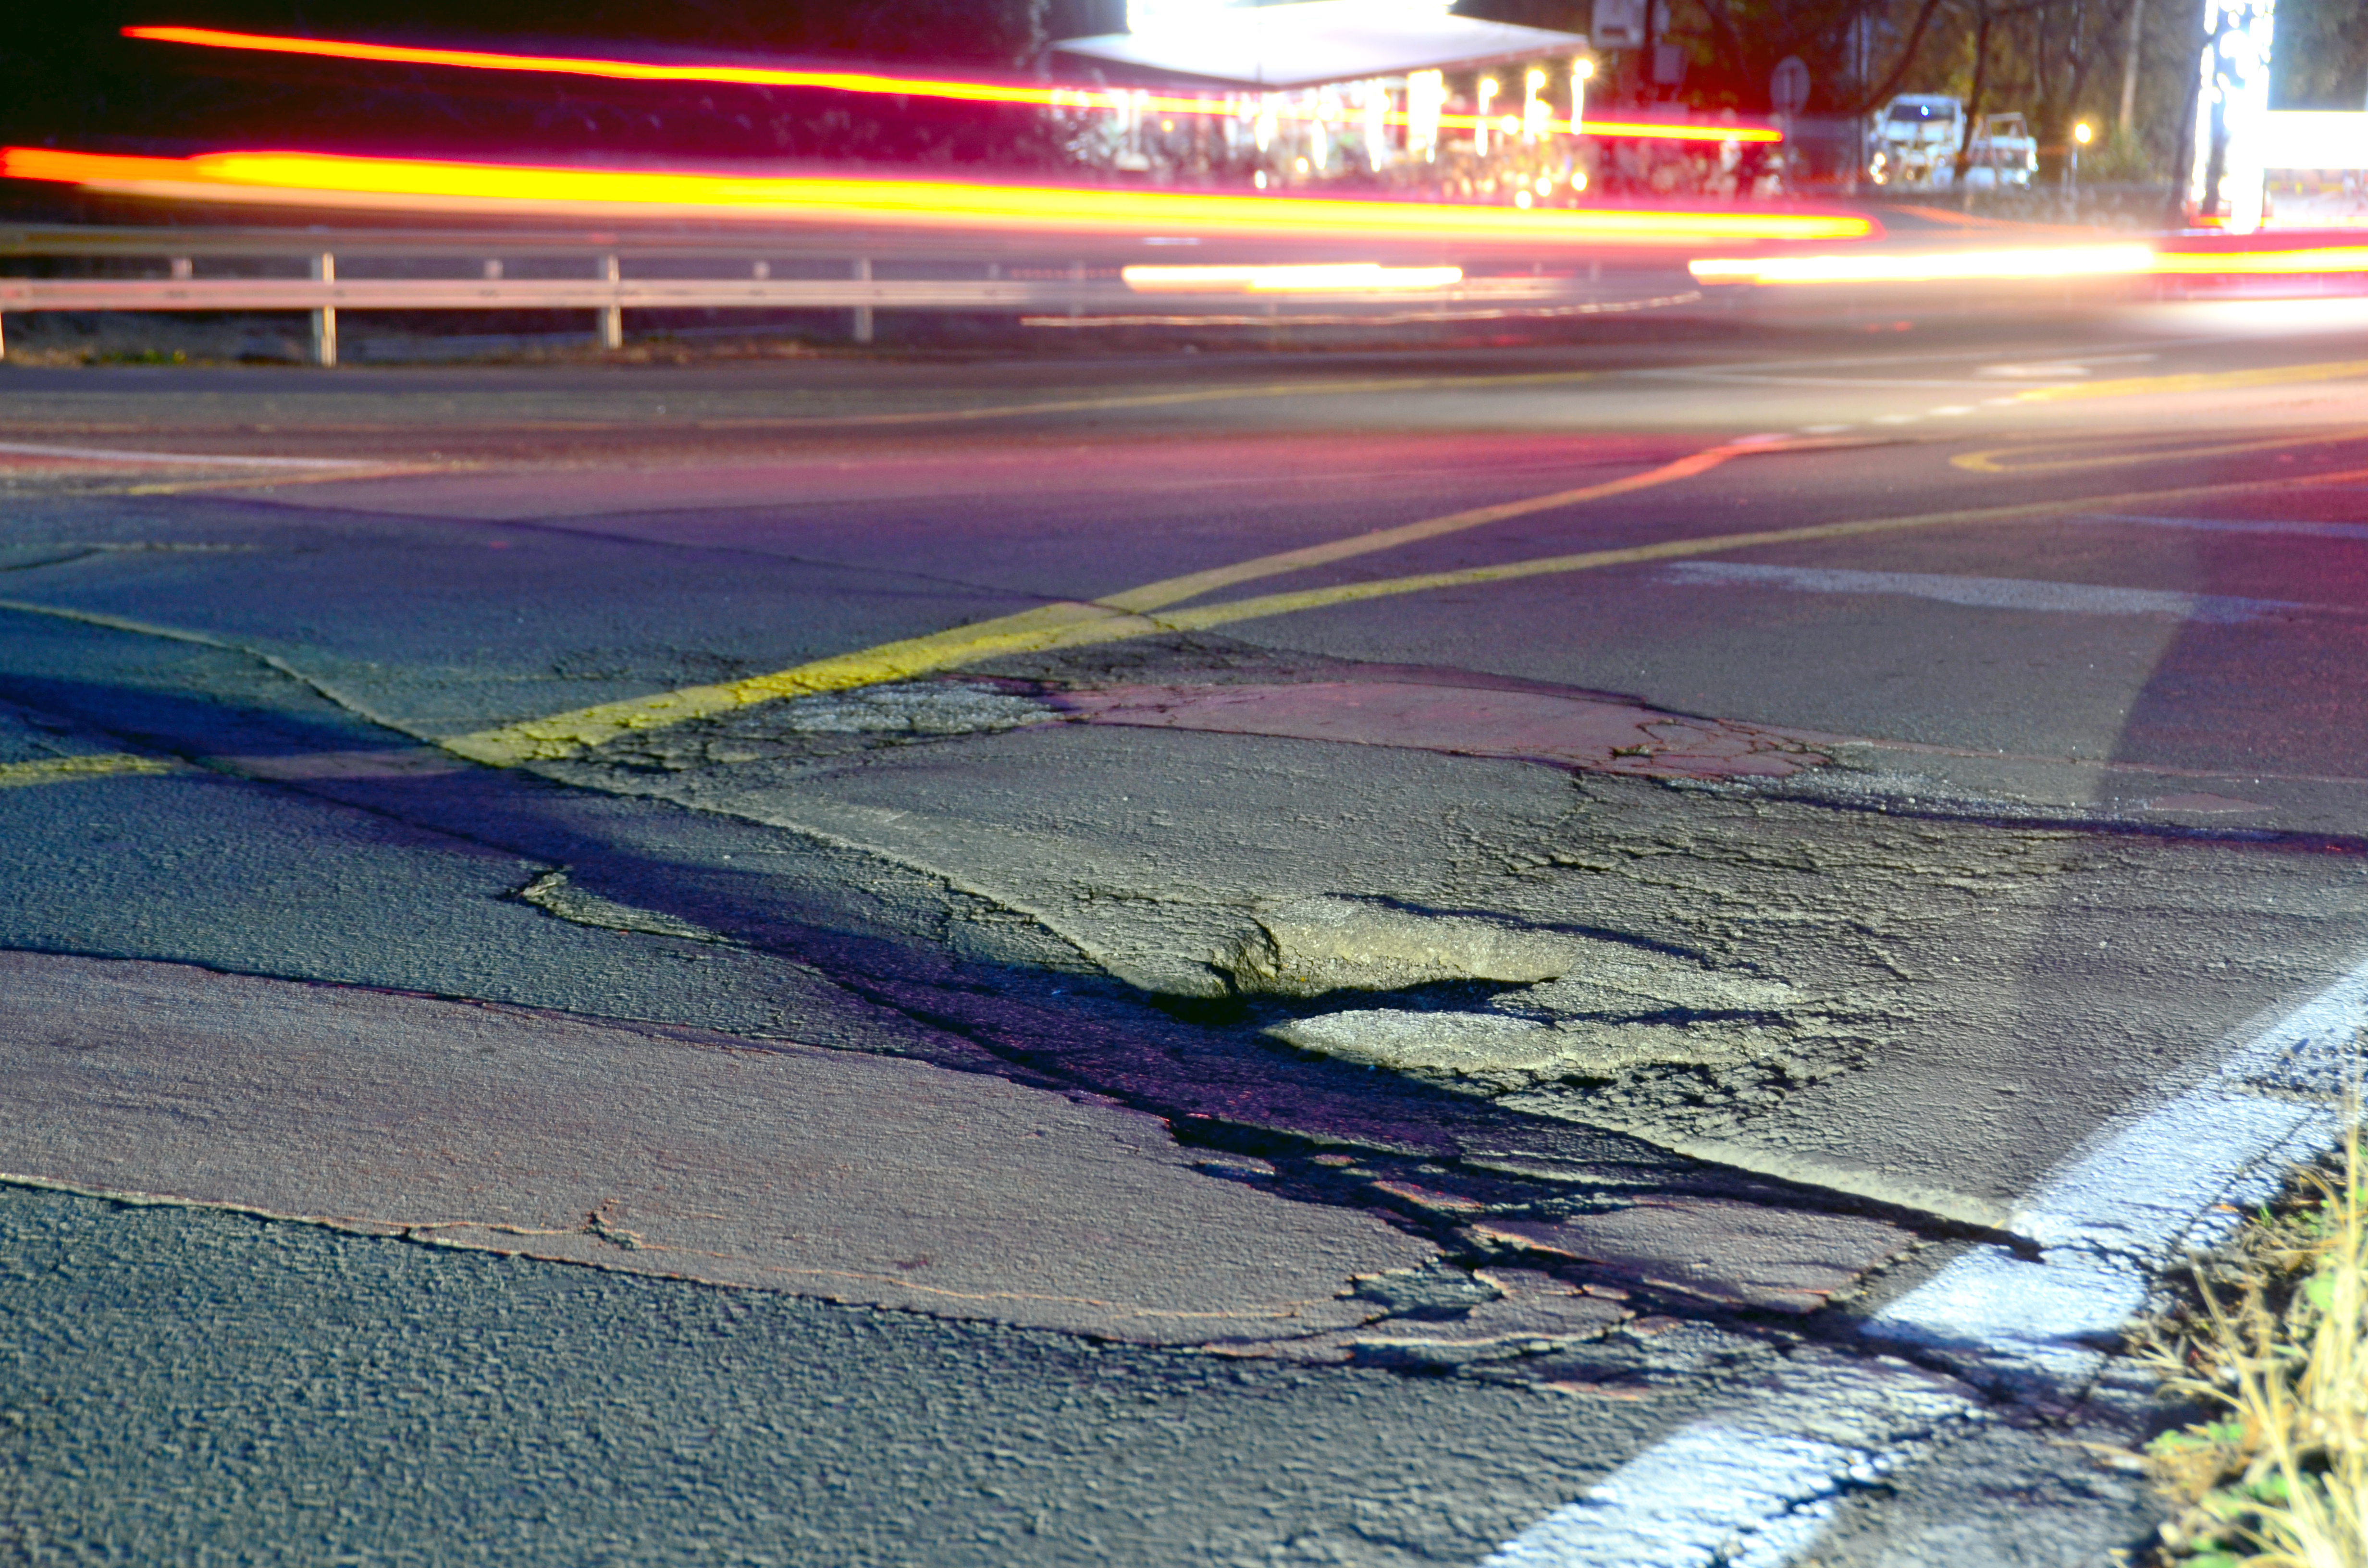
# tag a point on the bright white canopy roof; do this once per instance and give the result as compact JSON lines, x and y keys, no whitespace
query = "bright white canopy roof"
{"x":2314,"y":139}
{"x":1310,"y":42}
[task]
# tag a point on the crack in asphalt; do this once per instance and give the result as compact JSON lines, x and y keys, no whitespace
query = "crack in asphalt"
{"x":553,"y":893}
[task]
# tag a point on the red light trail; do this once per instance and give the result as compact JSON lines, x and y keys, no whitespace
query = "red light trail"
{"x":945,"y":88}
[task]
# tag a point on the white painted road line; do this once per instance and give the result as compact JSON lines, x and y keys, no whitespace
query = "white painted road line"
{"x":2177,"y":1178}
{"x":1714,"y":1494}
{"x":1756,"y":1487}
{"x":109,"y":454}
{"x":1994,"y":593}
{"x":2219,"y":526}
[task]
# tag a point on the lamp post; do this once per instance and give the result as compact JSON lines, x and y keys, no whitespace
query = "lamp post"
{"x":2081,"y":132}
{"x":1582,"y":71}
{"x":1480,"y":127}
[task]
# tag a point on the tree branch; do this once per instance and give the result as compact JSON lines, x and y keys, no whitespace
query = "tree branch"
{"x":1906,"y":61}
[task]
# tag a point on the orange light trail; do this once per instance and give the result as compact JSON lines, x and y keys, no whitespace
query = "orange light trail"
{"x":2301,"y":260}
{"x":315,"y":179}
{"x":947,"y":89}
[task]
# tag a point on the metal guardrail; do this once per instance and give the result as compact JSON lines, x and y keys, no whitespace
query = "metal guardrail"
{"x":1072,"y":291}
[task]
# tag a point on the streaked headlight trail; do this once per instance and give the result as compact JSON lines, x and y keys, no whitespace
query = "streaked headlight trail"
{"x":325,"y":180}
{"x":1999,"y":264}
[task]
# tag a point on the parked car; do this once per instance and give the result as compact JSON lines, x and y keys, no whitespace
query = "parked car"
{"x":2002,"y":154}
{"x":1916,"y":141}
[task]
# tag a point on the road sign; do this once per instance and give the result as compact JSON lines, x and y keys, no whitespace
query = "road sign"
{"x":1619,"y":24}
{"x":1788,"y":86}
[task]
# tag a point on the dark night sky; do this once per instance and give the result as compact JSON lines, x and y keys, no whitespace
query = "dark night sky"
{"x":67,"y":79}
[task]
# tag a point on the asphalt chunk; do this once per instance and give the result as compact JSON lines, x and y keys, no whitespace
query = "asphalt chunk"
{"x":853,"y":1178}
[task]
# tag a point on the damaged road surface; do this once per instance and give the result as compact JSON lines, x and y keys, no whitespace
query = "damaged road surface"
{"x":1607,"y":955}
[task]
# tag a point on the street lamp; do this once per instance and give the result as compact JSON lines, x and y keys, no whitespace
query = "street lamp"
{"x":2081,"y":132}
{"x":1480,"y":125}
{"x":1535,"y":115}
{"x":1580,"y":70}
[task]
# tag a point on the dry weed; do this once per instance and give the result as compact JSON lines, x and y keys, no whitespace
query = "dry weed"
{"x":2277,"y":1343}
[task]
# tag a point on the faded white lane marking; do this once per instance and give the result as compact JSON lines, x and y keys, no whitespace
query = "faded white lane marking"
{"x":1993,"y":592}
{"x":2107,"y":1221}
{"x":2220,"y":526}
{"x":109,"y":454}
{"x":1714,"y":1494}
{"x":1822,"y":429}
{"x":1755,"y":1488}
{"x":2113,"y":1218}
{"x":1897,"y":418}
{"x":1954,"y":408}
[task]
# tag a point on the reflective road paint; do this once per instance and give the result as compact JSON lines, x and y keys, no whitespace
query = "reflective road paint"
{"x":1756,"y":1487}
{"x":195,"y":459}
{"x":1995,"y":593}
{"x":1717,"y":1493}
{"x":2230,"y":526}
{"x":1069,"y":624}
{"x":65,"y":769}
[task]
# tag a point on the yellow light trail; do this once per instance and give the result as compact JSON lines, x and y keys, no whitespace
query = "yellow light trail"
{"x":316,"y":179}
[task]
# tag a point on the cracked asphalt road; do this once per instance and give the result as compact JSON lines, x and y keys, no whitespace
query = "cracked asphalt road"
{"x":964,"y":1049}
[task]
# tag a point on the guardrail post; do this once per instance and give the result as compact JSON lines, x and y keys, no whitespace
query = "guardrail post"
{"x":492,"y":269}
{"x":324,"y":319}
{"x":862,"y":327}
{"x":612,"y":317}
{"x":181,"y":267}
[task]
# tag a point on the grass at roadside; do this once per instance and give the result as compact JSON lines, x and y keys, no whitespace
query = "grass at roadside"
{"x":2274,"y":1345}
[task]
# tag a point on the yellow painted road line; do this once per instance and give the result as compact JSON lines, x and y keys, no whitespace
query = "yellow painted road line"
{"x":1060,"y":625}
{"x":1174,"y":590}
{"x":1071,"y":624}
{"x":1350,"y":593}
{"x":270,"y":481}
{"x":564,"y":735}
{"x":1998,"y":459}
{"x":2215,"y":381}
{"x":66,"y":770}
{"x":173,"y":459}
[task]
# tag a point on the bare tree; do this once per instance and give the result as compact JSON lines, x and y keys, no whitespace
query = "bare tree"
{"x":2130,"y":67}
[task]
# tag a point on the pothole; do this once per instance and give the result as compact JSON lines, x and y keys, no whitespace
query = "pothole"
{"x":1514,"y":1053}
{"x":551,"y":894}
{"x":833,"y":724}
{"x":1313,"y":946}
{"x":912,"y":708}
{"x":1623,"y":1026}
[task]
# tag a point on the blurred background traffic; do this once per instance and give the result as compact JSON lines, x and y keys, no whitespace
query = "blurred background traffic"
{"x":1923,"y":123}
